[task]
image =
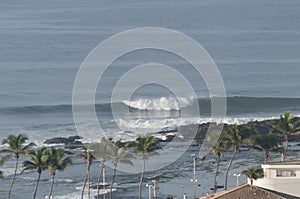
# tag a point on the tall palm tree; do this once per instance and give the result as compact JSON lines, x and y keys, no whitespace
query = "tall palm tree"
{"x":56,"y":162}
{"x":86,"y":154}
{"x":16,"y":147}
{"x":234,"y":136}
{"x":38,"y":159}
{"x":253,"y":173}
{"x":145,"y":146}
{"x":118,"y":154}
{"x":218,"y":150}
{"x":100,"y":151}
{"x":286,"y":126}
{"x":265,"y":143}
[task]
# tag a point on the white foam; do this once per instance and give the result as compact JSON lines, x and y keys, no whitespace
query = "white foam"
{"x":155,"y":125}
{"x":77,"y":195}
{"x":163,"y":103}
{"x":64,"y":180}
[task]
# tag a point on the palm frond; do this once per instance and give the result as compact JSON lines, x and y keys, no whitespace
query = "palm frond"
{"x":5,"y":158}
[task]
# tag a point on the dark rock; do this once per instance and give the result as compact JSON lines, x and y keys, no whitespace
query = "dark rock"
{"x":75,"y":137}
{"x":56,"y":140}
{"x":62,"y":140}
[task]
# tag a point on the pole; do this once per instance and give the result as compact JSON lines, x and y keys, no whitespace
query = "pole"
{"x":194,"y":179}
{"x":104,"y":185}
{"x":149,"y":190}
{"x":154,"y":189}
{"x":88,"y":167}
{"x":237,"y":178}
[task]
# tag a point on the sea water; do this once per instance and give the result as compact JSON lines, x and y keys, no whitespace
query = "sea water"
{"x":255,"y":45}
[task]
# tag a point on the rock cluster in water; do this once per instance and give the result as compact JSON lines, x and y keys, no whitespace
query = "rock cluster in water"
{"x":185,"y":132}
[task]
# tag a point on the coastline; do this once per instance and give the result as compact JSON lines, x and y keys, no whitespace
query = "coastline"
{"x":182,"y":132}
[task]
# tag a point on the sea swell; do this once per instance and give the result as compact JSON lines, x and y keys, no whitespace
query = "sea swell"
{"x":235,"y":106}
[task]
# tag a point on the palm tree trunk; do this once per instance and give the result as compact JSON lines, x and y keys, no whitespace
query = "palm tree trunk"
{"x":216,"y":174}
{"x":84,"y":184}
{"x":89,"y":181}
{"x":113,"y":180}
{"x":14,"y":176}
{"x":37,"y":184}
{"x":228,"y":168}
{"x":141,"y":180}
{"x":99,"y":178}
{"x":266,"y":152}
{"x":51,"y":185}
{"x":286,"y":146}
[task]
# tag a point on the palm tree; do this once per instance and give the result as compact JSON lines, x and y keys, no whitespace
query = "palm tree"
{"x":118,"y":153}
{"x":218,"y":150}
{"x":265,"y":143}
{"x":16,"y":147}
{"x":38,"y":162}
{"x":253,"y":173}
{"x":145,"y":146}
{"x":86,"y":155}
{"x":234,"y":136}
{"x":286,"y":126}
{"x":56,"y":162}
{"x":100,"y":151}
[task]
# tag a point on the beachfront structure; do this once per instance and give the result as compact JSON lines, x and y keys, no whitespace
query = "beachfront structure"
{"x":247,"y":191}
{"x":281,"y":177}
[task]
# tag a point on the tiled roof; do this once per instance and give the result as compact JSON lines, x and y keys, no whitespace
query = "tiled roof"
{"x":246,"y":192}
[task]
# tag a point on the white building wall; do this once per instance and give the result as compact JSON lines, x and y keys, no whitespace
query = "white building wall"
{"x":283,"y":185}
{"x":288,"y":185}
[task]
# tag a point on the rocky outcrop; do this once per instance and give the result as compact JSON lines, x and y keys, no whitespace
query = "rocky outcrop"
{"x":256,"y":127}
{"x":70,"y":142}
{"x":186,"y":132}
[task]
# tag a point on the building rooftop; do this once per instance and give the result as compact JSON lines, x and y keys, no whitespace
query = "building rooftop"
{"x":285,"y":163}
{"x":248,"y":192}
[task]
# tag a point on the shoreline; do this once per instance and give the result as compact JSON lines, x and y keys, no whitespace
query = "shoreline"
{"x":182,"y":133}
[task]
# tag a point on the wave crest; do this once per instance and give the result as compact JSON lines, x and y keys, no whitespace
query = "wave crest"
{"x":160,"y":104}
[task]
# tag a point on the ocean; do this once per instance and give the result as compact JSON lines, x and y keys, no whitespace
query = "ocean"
{"x":254,"y":44}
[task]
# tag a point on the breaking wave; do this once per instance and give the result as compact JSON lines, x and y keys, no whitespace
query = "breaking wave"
{"x":157,"y":104}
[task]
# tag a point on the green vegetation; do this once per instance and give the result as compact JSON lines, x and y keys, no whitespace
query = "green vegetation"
{"x":117,"y":153}
{"x":145,"y":146}
{"x":100,"y":151}
{"x":16,"y":147}
{"x":265,"y":143}
{"x":56,"y":162}
{"x":86,"y":155}
{"x":232,"y":138}
{"x":286,"y":126}
{"x":218,"y":150}
{"x":38,"y":158}
{"x":253,"y":173}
